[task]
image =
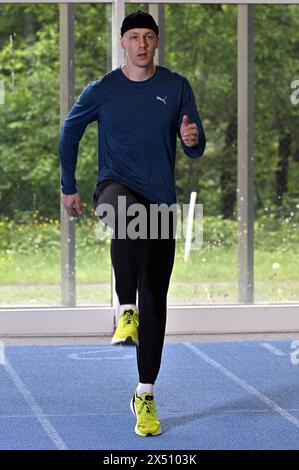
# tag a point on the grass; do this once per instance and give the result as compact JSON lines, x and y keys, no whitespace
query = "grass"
{"x":30,"y":263}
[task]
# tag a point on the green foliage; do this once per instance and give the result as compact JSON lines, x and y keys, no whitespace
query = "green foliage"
{"x":29,"y":231}
{"x":32,"y":232}
{"x":200,"y":43}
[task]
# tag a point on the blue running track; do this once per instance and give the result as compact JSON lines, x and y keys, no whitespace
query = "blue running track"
{"x":229,"y":395}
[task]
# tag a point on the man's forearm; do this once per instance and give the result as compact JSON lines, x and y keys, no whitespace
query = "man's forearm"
{"x":68,"y":151}
{"x":83,"y":112}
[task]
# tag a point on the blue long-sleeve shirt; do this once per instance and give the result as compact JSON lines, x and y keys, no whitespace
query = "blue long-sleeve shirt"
{"x":138,"y":125}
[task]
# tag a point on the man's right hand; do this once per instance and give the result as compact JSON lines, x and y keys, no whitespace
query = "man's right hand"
{"x":72,"y":204}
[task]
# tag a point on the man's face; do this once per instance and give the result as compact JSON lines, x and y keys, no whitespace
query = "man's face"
{"x":139,"y":41}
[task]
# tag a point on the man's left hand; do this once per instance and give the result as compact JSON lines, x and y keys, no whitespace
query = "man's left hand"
{"x":189,"y":132}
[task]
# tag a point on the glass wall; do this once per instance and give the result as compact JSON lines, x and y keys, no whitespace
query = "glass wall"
{"x":29,"y":160}
{"x":92,"y":61}
{"x":205,"y":51}
{"x":200,"y":42}
{"x":29,"y":167}
{"x":276,"y":153}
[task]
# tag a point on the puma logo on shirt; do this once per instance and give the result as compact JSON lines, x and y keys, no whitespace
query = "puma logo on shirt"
{"x":162,"y":99}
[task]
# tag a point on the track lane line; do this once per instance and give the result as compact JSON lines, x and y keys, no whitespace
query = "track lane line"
{"x":34,"y":406}
{"x":249,"y":388}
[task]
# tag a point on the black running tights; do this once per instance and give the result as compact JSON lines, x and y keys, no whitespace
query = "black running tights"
{"x":143,"y":266}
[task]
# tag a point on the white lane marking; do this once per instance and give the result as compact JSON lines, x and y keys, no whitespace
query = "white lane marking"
{"x":104,"y":348}
{"x":97,"y":353}
{"x":284,"y":413}
{"x":80,"y":356}
{"x":34,"y":406}
{"x":273,"y":349}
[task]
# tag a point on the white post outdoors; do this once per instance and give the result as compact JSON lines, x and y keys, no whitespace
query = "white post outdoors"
{"x":189,"y":225}
{"x":2,"y":92}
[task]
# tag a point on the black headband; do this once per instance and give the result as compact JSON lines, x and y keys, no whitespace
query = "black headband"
{"x":139,"y":19}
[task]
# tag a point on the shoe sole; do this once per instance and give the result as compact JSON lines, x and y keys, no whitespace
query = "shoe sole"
{"x":125,"y":342}
{"x":132,"y":406}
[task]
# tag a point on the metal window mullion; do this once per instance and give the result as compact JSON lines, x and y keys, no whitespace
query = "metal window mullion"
{"x":245,"y":153}
{"x":67,"y":93}
{"x":157,"y":11}
{"x":117,"y":16}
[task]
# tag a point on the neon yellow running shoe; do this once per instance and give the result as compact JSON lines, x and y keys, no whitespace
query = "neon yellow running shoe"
{"x":127,"y":328}
{"x":144,"y":409}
